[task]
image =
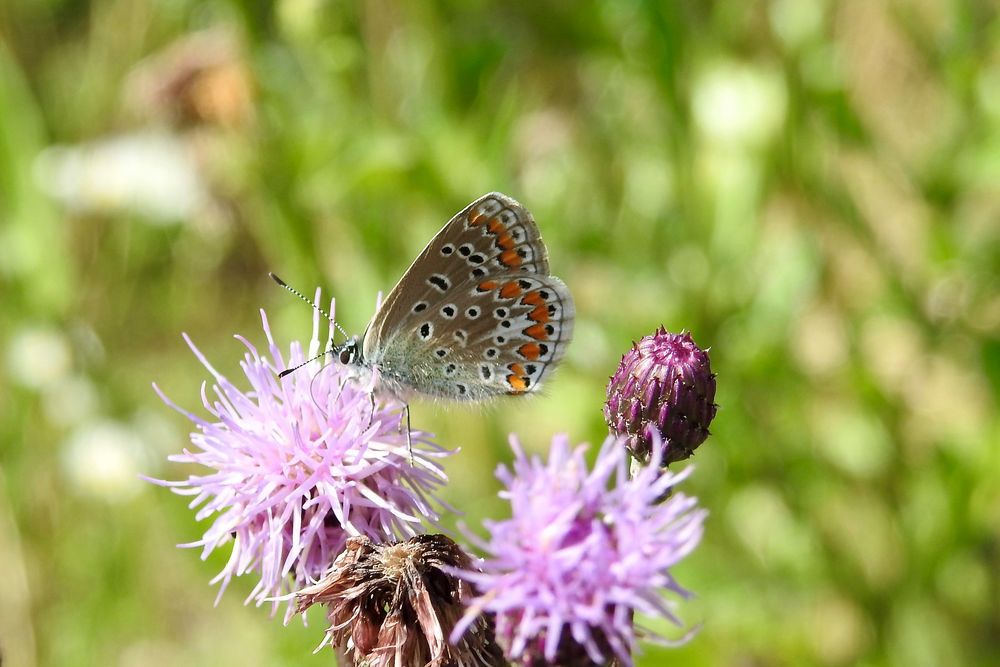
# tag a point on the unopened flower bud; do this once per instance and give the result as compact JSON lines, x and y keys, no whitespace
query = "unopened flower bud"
{"x":663,"y":385}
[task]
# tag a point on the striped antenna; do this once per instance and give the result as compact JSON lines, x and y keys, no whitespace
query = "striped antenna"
{"x":309,"y":301}
{"x":304,"y":363}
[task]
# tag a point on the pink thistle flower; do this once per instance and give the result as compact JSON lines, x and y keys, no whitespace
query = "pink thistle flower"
{"x":298,"y":465}
{"x":583,"y":551}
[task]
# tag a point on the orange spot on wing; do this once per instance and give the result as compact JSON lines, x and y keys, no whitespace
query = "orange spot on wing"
{"x":530,"y":351}
{"x":517,"y":382}
{"x":487,"y":286}
{"x":532,"y":299}
{"x":510,"y":258}
{"x":516,"y":369}
{"x":510,"y":290}
{"x":477,"y":218}
{"x":505,"y":241}
{"x":495,"y":226}
{"x":539,"y":314}
{"x":537,"y":331}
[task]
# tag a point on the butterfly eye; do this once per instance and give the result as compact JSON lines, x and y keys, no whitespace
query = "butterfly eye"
{"x":345,"y":356}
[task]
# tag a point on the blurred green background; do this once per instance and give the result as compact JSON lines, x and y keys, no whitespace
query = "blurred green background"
{"x":811,"y":187}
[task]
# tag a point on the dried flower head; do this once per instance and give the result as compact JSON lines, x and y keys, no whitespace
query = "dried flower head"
{"x":298,"y":465}
{"x":395,"y":604}
{"x":199,"y":79}
{"x":664,"y":386}
{"x":582,"y":552}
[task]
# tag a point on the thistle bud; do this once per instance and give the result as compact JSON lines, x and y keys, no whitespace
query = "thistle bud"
{"x":663,"y":385}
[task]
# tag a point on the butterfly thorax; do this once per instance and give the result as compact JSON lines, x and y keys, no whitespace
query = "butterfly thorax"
{"x":391,"y":379}
{"x":392,"y":369}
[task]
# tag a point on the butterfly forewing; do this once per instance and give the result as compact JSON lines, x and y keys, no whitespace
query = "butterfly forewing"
{"x":476,"y":314}
{"x":476,"y":242}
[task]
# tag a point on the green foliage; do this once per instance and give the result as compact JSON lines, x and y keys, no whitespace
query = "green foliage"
{"x":809,"y":187}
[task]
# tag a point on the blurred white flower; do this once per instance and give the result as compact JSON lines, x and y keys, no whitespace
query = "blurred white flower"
{"x":796,"y":21}
{"x":739,"y":105}
{"x":649,"y":185}
{"x":70,"y":401}
{"x":158,"y":433}
{"x":153,"y":174}
{"x":38,"y":357}
{"x":102,"y":459}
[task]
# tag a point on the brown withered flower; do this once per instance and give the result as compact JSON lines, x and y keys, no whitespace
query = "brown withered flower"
{"x":200,"y":79}
{"x":396,"y":604}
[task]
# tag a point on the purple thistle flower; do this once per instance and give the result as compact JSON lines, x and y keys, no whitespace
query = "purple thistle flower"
{"x":298,"y":465}
{"x":663,"y":388}
{"x":582,"y":552}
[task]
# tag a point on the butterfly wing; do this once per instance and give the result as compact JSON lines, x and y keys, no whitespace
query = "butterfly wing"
{"x":476,"y":314}
{"x":471,"y":246}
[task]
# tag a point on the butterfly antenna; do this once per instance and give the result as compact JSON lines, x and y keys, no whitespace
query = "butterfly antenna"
{"x":307,"y":361}
{"x":310,"y":302}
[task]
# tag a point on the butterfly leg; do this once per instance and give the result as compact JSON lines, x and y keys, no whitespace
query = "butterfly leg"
{"x":409,"y":443}
{"x":333,"y":401}
{"x":340,"y":390}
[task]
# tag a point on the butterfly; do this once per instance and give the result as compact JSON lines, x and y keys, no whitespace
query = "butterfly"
{"x":476,"y":315}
